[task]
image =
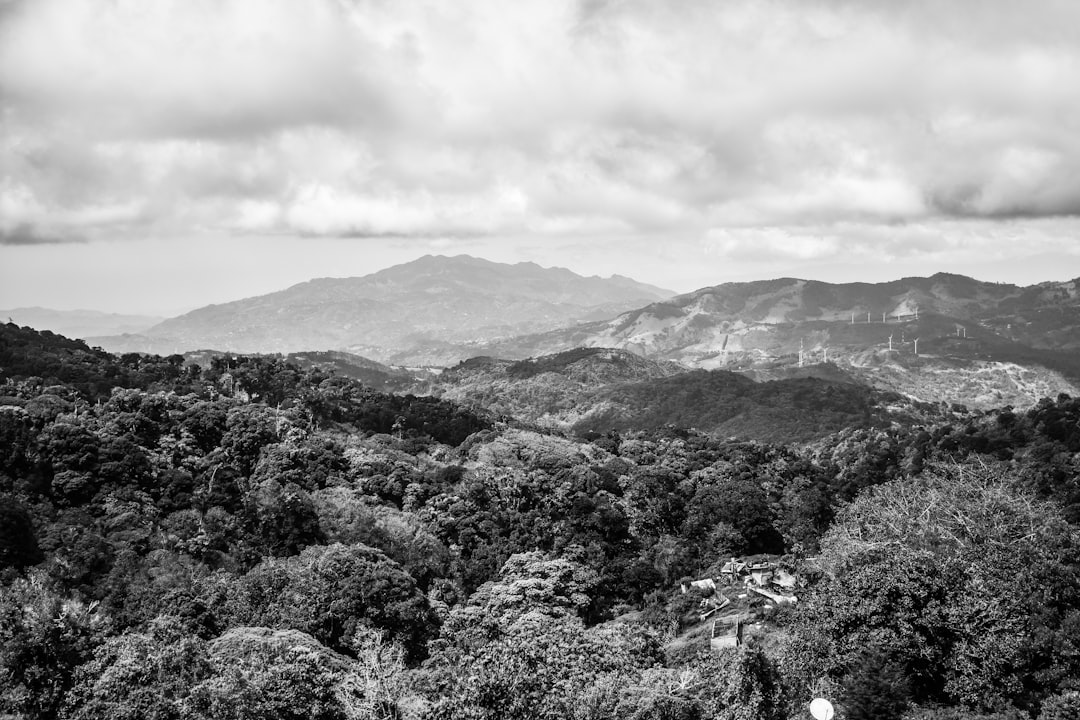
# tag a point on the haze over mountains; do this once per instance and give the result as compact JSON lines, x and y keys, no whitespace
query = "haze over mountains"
{"x":79,"y":323}
{"x":979,"y":344}
{"x":404,"y":314}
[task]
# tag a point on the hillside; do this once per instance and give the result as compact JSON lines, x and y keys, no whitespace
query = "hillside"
{"x":750,"y":322}
{"x":728,"y":404}
{"x":370,"y":373}
{"x":46,"y":359}
{"x":242,"y":538}
{"x":1010,"y":345}
{"x":553,"y":391}
{"x":407,"y":314}
{"x":599,"y":390}
{"x":341,"y":364}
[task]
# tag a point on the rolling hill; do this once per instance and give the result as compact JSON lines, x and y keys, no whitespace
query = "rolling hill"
{"x":596,"y":390}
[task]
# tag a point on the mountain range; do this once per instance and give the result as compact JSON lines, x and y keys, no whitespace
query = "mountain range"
{"x":739,"y":323}
{"x":943,"y":338}
{"x":414,"y":313}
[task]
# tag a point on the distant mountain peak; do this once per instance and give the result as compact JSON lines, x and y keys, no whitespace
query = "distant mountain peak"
{"x":418,"y":307}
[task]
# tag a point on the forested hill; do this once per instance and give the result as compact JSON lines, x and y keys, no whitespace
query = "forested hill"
{"x":93,"y":373}
{"x":253,"y":540}
{"x":45,"y":364}
{"x":729,"y":404}
{"x":603,"y":389}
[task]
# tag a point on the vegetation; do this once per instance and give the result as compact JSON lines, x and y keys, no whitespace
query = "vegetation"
{"x":598,"y":390}
{"x":795,"y":410}
{"x":251,"y":539}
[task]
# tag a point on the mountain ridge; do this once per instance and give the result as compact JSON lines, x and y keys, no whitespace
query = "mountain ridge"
{"x":716,"y":325}
{"x":943,"y":337}
{"x":431,"y":300}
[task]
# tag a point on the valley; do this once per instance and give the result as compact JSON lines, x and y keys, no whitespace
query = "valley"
{"x":981,"y":345}
{"x":475,"y":529}
{"x":575,"y":360}
{"x":192,"y":514}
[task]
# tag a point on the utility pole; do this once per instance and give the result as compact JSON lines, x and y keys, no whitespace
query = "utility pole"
{"x":826,"y":355}
{"x":882,"y":318}
{"x":890,"y":343}
{"x":916,"y":347}
{"x":800,"y":353}
{"x":867,"y":318}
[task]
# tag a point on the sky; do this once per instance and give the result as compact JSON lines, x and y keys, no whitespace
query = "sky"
{"x":160,"y":155}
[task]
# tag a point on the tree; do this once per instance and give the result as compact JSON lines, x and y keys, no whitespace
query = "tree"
{"x":18,"y":541}
{"x":968,"y":583}
{"x":538,"y":666}
{"x":328,"y":592}
{"x":349,"y":517}
{"x":376,"y":685}
{"x":249,"y":428}
{"x":528,"y":582}
{"x":875,"y":689}
{"x":310,"y":463}
{"x":519,"y":648}
{"x":136,"y":676}
{"x":281,"y":518}
{"x":1064,"y":706}
{"x":44,"y":636}
{"x":258,"y":673}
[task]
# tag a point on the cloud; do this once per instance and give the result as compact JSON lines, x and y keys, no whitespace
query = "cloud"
{"x":201,"y":68}
{"x":553,"y":118}
{"x":25,"y":234}
{"x":934,"y":242}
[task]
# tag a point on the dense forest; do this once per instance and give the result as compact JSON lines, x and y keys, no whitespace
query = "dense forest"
{"x":250,"y":539}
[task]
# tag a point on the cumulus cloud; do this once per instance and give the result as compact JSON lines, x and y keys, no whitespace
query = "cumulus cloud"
{"x":556,"y":118}
{"x":201,"y":68}
{"x":941,"y":243}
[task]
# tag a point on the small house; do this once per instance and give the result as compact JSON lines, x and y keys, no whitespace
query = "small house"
{"x":761,"y":573}
{"x":733,"y":569}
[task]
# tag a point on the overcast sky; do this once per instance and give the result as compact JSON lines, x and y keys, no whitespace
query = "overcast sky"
{"x":158,"y":155}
